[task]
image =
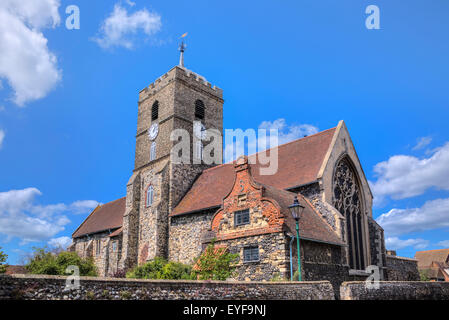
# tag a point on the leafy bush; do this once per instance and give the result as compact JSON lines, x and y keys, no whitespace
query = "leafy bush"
{"x":215,"y":264}
{"x":120,"y":273}
{"x":3,"y":258}
{"x":51,"y":263}
{"x":160,"y":268}
{"x":424,"y":275}
{"x":176,"y":271}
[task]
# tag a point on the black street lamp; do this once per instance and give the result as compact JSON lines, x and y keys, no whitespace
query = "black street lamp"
{"x":297,"y":209}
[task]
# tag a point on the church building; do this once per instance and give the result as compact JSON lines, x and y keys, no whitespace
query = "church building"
{"x":174,"y":210}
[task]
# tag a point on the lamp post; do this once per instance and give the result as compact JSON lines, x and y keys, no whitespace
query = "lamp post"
{"x":297,"y":209}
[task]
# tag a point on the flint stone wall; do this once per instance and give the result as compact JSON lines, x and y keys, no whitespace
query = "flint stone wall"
{"x":402,"y":269}
{"x":34,"y":287}
{"x":395,"y":290}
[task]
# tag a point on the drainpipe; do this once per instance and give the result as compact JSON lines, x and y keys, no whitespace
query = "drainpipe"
{"x":291,"y":258}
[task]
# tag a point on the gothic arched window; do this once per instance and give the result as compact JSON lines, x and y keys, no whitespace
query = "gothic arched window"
{"x":199,"y":109}
{"x":155,"y":111}
{"x":348,"y":200}
{"x":153,"y":151}
{"x":150,"y":196}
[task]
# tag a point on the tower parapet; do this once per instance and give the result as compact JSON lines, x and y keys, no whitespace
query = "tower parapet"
{"x":183,"y":74}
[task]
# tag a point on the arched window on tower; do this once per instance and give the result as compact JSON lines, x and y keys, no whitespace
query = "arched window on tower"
{"x":155,"y":111}
{"x":153,"y":151}
{"x":199,"y":110}
{"x":150,"y":196}
{"x":199,"y":150}
{"x":348,"y":200}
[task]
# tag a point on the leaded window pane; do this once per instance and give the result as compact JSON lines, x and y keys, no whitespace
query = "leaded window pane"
{"x":241,"y":217}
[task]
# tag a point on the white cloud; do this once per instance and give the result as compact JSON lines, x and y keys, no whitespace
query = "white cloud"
{"x":422,"y":142}
{"x":286,"y":133}
{"x":20,"y":217}
{"x":61,"y":242}
{"x":130,"y":3}
{"x":2,"y":137}
{"x":397,"y":244}
{"x":433,"y":214}
{"x":25,"y":60}
{"x":444,"y":243}
{"x":289,"y":133}
{"x":404,"y":176}
{"x":120,"y":29}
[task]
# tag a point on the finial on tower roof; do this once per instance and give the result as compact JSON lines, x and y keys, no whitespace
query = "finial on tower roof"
{"x":182,"y":48}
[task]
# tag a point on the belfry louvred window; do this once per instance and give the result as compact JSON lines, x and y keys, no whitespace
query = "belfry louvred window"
{"x":199,"y":109}
{"x":155,"y":111}
{"x":348,"y":200}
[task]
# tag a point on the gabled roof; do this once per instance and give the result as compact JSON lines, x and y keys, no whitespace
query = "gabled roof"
{"x":108,"y":216}
{"x":299,"y":163}
{"x":311,"y":225}
{"x":425,"y":258}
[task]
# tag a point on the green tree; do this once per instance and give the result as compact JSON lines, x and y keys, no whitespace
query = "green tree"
{"x":424,"y":275}
{"x":55,"y":263}
{"x":3,"y":258}
{"x":215,"y":263}
{"x":159,"y":268}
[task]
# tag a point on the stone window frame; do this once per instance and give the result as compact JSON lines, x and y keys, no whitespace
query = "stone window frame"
{"x":153,"y":151}
{"x":355,"y":225}
{"x":241,"y":215}
{"x":97,"y":247}
{"x":114,"y":246}
{"x":149,"y":196}
{"x":252,"y":249}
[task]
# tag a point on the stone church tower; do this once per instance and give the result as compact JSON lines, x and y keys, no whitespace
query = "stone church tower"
{"x":180,"y":99}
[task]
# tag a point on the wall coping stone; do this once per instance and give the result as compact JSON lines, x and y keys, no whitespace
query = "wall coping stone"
{"x":395,"y":290}
{"x":400,"y":258}
{"x":106,"y":279}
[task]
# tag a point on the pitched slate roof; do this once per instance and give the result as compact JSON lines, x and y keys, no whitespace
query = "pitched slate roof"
{"x":299,"y":163}
{"x":108,"y":216}
{"x":425,"y":258}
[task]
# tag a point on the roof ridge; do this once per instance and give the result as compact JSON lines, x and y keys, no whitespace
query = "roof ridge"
{"x":293,"y":141}
{"x":433,"y":250}
{"x":113,"y":201}
{"x":279,"y":146}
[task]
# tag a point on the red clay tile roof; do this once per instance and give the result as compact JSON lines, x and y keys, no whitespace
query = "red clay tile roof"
{"x":425,"y":258}
{"x":116,"y":232}
{"x":311,"y":225}
{"x":299,"y":163}
{"x":108,"y":216}
{"x":16,"y":270}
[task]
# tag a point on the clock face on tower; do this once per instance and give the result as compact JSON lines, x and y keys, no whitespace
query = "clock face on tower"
{"x":153,"y":131}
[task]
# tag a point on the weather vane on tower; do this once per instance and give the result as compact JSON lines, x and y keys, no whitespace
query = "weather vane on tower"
{"x":182,"y":48}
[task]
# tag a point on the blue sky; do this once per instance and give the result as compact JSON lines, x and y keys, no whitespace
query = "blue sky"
{"x":67,"y":127}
